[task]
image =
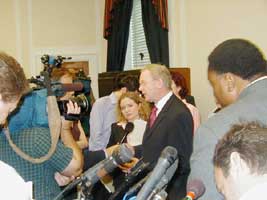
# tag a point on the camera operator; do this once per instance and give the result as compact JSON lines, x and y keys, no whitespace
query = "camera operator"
{"x":66,"y":76}
{"x":66,"y":161}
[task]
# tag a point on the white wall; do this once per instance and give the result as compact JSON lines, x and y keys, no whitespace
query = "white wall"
{"x":197,"y":26}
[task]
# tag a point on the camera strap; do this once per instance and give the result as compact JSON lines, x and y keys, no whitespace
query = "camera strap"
{"x":54,"y":126}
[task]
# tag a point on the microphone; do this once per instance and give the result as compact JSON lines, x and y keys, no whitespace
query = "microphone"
{"x":137,"y":186}
{"x":195,"y":189}
{"x":130,"y":178}
{"x":166,"y":159}
{"x":121,"y":155}
{"x":162,"y":195}
{"x":66,"y":87}
{"x":128,"y":129}
{"x":164,"y":180}
{"x":59,"y":89}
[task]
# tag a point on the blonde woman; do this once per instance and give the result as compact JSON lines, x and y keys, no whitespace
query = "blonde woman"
{"x":133,"y":109}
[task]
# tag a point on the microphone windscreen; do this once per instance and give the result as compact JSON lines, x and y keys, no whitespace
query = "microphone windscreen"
{"x":170,"y":153}
{"x":72,"y":87}
{"x":123,"y":155}
{"x":129,"y":127}
{"x":196,"y":186}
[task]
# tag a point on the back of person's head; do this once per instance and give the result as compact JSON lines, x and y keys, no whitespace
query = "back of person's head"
{"x":249,"y":140}
{"x":180,"y":81}
{"x":12,"y":78}
{"x":130,"y":82}
{"x":238,"y":56}
{"x":159,"y":71}
{"x":144,"y":107}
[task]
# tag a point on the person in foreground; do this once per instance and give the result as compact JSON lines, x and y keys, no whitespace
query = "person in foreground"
{"x":67,"y":160}
{"x":237,"y":74}
{"x":240,"y":161}
{"x":170,"y":124}
{"x":13,"y":85}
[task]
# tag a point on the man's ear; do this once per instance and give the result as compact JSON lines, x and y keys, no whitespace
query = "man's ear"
{"x":238,"y":167}
{"x":159,"y":83}
{"x":123,"y":89}
{"x":230,"y":81}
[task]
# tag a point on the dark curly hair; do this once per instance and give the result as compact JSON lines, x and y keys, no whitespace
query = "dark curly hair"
{"x":238,"y":56}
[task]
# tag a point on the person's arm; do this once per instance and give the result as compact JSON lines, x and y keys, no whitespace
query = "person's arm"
{"x":96,"y":123}
{"x":76,"y":164}
{"x":82,"y":142}
{"x":205,"y":141}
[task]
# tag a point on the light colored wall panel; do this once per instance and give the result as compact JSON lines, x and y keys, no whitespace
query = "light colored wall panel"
{"x":63,"y":23}
{"x":8,"y":27}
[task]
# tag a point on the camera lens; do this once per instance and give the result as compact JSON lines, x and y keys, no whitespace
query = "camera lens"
{"x":81,"y":101}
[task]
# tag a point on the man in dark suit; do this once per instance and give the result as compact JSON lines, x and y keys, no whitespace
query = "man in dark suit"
{"x":173,"y":126}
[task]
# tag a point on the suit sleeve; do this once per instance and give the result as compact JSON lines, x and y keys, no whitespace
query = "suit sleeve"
{"x":96,"y":123}
{"x":180,"y":136}
{"x":182,"y":131}
{"x":205,"y":141}
{"x":92,"y":157}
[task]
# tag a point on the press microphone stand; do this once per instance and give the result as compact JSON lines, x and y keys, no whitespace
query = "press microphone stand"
{"x":161,"y":195}
{"x":85,"y":191}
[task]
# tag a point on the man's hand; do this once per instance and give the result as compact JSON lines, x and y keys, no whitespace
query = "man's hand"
{"x":109,"y":151}
{"x":127,"y":166}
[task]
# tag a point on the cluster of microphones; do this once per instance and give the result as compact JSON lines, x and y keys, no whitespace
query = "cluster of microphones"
{"x":151,"y":187}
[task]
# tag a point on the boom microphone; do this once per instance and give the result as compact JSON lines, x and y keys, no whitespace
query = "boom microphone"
{"x":195,"y":189}
{"x":72,"y":86}
{"x":166,"y":159}
{"x":59,"y":89}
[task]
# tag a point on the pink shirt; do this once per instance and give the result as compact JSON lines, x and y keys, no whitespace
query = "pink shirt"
{"x":195,"y":114}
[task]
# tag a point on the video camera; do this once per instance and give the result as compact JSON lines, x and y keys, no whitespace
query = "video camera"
{"x":81,"y":86}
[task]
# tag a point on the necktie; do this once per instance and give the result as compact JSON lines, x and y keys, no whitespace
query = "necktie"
{"x":153,"y":116}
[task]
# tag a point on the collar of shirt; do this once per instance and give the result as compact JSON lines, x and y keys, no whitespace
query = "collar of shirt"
{"x":256,"y":192}
{"x":258,"y":79}
{"x":113,"y":98}
{"x":160,"y":104}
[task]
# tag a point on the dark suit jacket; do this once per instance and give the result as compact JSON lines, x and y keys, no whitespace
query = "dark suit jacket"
{"x":173,"y":127}
{"x":91,"y":158}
